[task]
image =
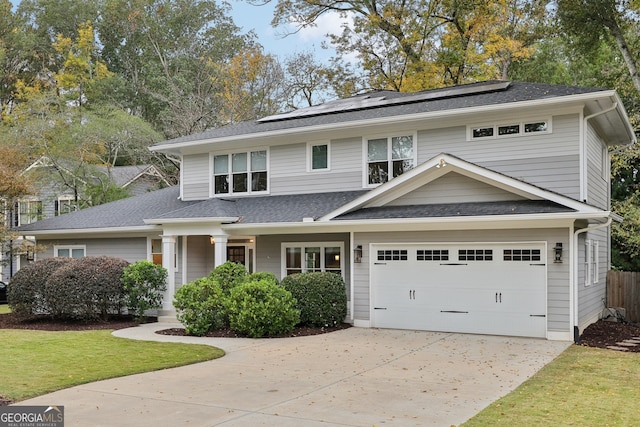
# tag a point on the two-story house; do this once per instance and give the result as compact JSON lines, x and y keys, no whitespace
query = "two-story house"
{"x":60,"y":190}
{"x":482,"y":208}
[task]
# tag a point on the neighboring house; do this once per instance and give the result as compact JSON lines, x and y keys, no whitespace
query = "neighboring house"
{"x":54,"y":199}
{"x":482,"y":208}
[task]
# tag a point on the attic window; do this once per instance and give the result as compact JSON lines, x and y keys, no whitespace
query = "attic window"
{"x":509,"y":129}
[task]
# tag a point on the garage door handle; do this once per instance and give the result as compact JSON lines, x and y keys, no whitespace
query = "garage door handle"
{"x":379,"y":308}
{"x":537,"y":315}
{"x":541,"y":265}
{"x":454,"y":311}
{"x":453,"y":263}
{"x":379,"y":263}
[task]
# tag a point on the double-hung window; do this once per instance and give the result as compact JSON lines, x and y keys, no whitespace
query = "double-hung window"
{"x":64,"y":204}
{"x":389,"y":157}
{"x":29,"y":211}
{"x":244,"y":172}
{"x":318,"y":156}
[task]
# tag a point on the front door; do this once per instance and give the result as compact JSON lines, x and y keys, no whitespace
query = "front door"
{"x":241,"y":254}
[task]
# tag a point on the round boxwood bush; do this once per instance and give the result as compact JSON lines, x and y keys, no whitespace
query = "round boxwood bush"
{"x":27,"y":290}
{"x":262,"y":275}
{"x":228,"y":275}
{"x":322,"y":297}
{"x":144,"y":285}
{"x":87,"y":289}
{"x":261,"y":309}
{"x":200,"y":306}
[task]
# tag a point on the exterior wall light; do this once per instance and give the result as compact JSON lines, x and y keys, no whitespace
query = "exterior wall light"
{"x":357,"y":254}
{"x":557,"y":251}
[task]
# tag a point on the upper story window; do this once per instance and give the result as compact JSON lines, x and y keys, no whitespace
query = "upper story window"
{"x":244,"y":172}
{"x":318,"y":157}
{"x":27,"y":212}
{"x":509,"y":129}
{"x":64,"y":204}
{"x":389,"y":157}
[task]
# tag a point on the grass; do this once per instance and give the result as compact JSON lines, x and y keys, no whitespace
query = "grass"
{"x":582,"y":387}
{"x":4,"y":309}
{"x":33,"y":363}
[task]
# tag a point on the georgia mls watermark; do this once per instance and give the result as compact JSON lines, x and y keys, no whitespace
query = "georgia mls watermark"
{"x":31,"y":416}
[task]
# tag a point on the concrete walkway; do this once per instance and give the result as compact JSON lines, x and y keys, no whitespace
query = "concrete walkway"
{"x":354,"y":377}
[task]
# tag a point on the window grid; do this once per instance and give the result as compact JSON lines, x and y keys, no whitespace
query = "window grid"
{"x":475,"y":255}
{"x":389,"y":157}
{"x":511,"y":129}
{"x":393,"y":255}
{"x":522,"y":255}
{"x":432,"y":255}
{"x":243,"y":172}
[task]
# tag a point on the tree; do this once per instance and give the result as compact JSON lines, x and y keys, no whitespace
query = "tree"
{"x":593,"y":20}
{"x":168,"y":54}
{"x":420,"y":44}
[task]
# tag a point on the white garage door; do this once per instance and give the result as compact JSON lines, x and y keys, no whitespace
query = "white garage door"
{"x":497,"y":289}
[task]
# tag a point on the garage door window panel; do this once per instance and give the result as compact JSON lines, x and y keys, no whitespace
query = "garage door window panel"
{"x":432,"y":255}
{"x":393,"y":255}
{"x":522,"y":255}
{"x":475,"y":255}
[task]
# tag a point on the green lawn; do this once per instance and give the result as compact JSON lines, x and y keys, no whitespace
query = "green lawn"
{"x":38,"y":362}
{"x":582,"y":387}
{"x":4,"y":309}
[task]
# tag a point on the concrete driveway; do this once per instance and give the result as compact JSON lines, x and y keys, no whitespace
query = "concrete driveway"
{"x":354,"y":377}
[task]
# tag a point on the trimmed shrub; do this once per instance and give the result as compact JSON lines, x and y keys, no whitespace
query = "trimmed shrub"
{"x":201,"y":306}
{"x":86,"y":289}
{"x":262,"y":275}
{"x":27,"y":290}
{"x":144,"y":285}
{"x":261,"y":308}
{"x":228,"y":275}
{"x":322,"y":297}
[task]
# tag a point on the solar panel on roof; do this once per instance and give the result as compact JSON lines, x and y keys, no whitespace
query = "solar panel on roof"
{"x":365,"y":102}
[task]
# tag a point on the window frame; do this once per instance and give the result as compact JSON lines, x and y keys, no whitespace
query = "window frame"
{"x":389,"y":137}
{"x":522,"y":124}
{"x":20,"y":213}
{"x":230,"y":172}
{"x":304,"y":245}
{"x":64,"y":199}
{"x":70,"y":248}
{"x":310,"y":146}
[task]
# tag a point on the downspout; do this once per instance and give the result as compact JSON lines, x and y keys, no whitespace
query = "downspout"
{"x":352,"y":276}
{"x":574,"y":277}
{"x":583,"y":150}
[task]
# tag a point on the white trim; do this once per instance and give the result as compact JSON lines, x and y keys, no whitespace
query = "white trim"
{"x":302,"y":245}
{"x":389,"y":137}
{"x":440,"y":165}
{"x":229,"y":173}
{"x":70,"y":248}
{"x":559,"y":336}
{"x":310,"y":146}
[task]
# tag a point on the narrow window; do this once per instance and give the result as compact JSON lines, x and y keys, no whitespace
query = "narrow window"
{"x":509,"y":130}
{"x":536,"y":127}
{"x":156,"y":251}
{"x":484,"y":132}
{"x":320,"y":157}
{"x":258,"y":171}
{"x":239,"y":172}
{"x":221,"y":174}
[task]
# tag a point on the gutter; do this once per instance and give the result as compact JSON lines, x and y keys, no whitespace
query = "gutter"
{"x":574,"y":275}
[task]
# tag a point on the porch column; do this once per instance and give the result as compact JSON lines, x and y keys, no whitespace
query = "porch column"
{"x":220,"y":250}
{"x":169,"y":263}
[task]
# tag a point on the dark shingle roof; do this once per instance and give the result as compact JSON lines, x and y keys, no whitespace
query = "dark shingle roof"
{"x":129,"y":212}
{"x":457,"y":209}
{"x":515,"y":92}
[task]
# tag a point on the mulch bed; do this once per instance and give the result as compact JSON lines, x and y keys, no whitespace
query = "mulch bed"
{"x":603,"y":334}
{"x":600,"y":334}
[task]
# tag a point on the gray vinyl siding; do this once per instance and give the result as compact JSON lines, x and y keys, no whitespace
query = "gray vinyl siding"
{"x":130,"y":249}
{"x":597,"y":170}
{"x":557,"y":274}
{"x":195,"y":177}
{"x":549,"y":160}
{"x":591,"y":296}
{"x":288,"y":169}
{"x":200,"y":257}
{"x":269,"y":250}
{"x":452,"y":188}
